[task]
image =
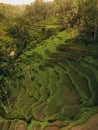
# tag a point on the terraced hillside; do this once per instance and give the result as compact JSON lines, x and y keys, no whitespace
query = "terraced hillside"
{"x":54,"y":86}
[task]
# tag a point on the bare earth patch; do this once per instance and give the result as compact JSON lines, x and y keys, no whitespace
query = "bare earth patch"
{"x":91,"y":124}
{"x":21,"y":127}
{"x":37,"y":127}
{"x":51,"y":128}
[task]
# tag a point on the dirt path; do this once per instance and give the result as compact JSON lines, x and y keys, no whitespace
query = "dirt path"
{"x":91,"y":124}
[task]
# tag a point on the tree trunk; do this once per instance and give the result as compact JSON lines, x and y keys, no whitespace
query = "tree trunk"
{"x":95,"y":31}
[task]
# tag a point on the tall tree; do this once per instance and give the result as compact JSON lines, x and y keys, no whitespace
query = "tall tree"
{"x":89,"y":18}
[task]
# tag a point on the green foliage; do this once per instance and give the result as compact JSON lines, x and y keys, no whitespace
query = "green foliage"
{"x":42,"y":80}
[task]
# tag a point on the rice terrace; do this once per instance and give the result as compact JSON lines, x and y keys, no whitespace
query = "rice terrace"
{"x":49,"y":65}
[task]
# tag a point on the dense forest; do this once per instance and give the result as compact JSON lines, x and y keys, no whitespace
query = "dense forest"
{"x":49,"y":65}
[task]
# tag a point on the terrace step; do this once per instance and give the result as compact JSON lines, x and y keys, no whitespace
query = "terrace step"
{"x":6,"y":125}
